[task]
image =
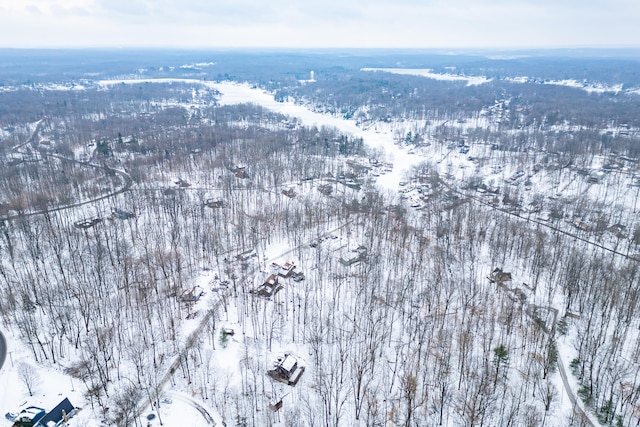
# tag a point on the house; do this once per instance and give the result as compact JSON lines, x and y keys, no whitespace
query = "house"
{"x":596,"y":176}
{"x":581,"y":225}
{"x":272,"y":281}
{"x":360,"y":255}
{"x":123,"y":215}
{"x":286,"y":270}
{"x":214,"y":203}
{"x":289,"y":192}
{"x":325,"y":189}
{"x":269,"y":287}
{"x":28,"y":417}
{"x":62,"y":412}
{"x":286,"y":369}
{"x":87,"y":223}
{"x":500,"y":277}
{"x":182,"y":183}
{"x":192,"y":295}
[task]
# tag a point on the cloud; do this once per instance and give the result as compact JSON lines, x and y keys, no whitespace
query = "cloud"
{"x":39,"y":8}
{"x":320,"y":23}
{"x":186,"y":11}
{"x":33,"y":9}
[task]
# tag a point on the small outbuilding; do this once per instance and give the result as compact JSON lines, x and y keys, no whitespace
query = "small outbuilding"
{"x":214,"y":203}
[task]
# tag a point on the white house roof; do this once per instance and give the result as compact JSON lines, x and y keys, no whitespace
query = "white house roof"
{"x":288,"y":363}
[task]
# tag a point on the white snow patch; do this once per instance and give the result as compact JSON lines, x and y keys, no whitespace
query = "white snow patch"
{"x":428,"y":73}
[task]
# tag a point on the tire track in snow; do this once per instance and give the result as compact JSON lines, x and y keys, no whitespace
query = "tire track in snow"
{"x":194,"y":404}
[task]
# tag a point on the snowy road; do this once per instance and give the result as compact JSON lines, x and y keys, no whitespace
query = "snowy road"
{"x":182,"y":355}
{"x":233,"y":93}
{"x":577,"y":408}
{"x":127,"y":182}
{"x":126,"y":179}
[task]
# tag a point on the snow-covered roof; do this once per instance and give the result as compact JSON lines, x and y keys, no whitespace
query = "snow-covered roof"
{"x":289,"y":363}
{"x":32,"y":412}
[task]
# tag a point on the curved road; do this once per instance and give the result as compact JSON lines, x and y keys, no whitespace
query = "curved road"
{"x":127,"y":182}
{"x":577,"y":407}
{"x":3,"y":349}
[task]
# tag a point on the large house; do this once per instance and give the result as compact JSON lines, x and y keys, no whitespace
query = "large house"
{"x":269,"y":287}
{"x":33,"y":416}
{"x":360,"y":255}
{"x":286,"y":369}
{"x":28,"y":417}
{"x":62,"y":412}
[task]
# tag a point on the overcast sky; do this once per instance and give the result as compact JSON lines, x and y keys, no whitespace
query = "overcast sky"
{"x":319,"y":23}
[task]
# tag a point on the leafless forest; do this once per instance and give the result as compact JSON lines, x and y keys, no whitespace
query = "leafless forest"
{"x":463,"y":308}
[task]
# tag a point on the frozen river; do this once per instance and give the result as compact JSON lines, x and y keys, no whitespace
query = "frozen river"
{"x":236,"y":93}
{"x":233,"y":93}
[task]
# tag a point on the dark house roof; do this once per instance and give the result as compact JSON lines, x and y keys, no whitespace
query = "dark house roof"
{"x":55,"y":414}
{"x":499,"y":276}
{"x":120,"y":214}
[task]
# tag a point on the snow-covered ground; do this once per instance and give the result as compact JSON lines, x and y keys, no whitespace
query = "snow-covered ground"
{"x":49,"y":386}
{"x":591,"y":87}
{"x":180,"y":409}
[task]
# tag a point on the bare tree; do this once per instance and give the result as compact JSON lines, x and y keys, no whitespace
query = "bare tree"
{"x":29,"y":377}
